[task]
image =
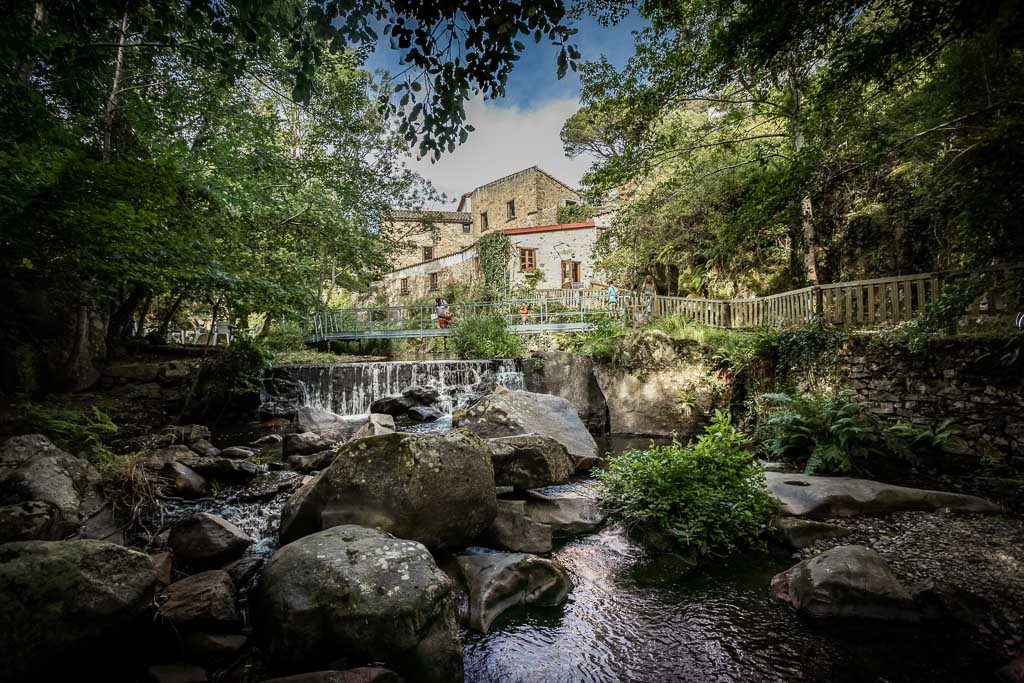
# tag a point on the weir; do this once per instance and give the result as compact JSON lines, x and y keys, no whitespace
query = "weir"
{"x":350,"y":388}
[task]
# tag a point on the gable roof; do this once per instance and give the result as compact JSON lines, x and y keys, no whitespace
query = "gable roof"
{"x":434,"y":216}
{"x":502,"y":179}
{"x":548,"y":228}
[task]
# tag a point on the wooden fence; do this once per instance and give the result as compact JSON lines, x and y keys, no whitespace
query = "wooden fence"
{"x":867,"y":303}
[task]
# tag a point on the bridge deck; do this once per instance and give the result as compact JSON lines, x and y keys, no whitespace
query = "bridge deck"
{"x":356,"y":335}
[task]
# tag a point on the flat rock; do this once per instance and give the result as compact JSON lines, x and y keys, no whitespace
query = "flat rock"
{"x":204,"y":600}
{"x":329,"y":424}
{"x":204,"y":448}
{"x":270,"y":485}
{"x":63,"y":597}
{"x":188,"y":434}
{"x":221,"y":469}
{"x":528,"y":461}
{"x":568,"y":512}
{"x":513,"y":530}
{"x":432,"y":488}
{"x":312,"y":463}
{"x":176,"y":672}
{"x":206,"y":540}
{"x":424,"y":414}
{"x":846,"y":581}
{"x":496,"y":581}
{"x":362,"y":674}
{"x":508,"y":413}
{"x":800,"y":533}
{"x":804,"y":495}
{"x":376,"y":424}
{"x":238,"y":452}
{"x":361,"y":594}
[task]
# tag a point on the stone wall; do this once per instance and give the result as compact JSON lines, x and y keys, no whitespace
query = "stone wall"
{"x":537,"y":196}
{"x":452,"y":232}
{"x":552,"y":248}
{"x":979,"y":383}
{"x":461,"y":268}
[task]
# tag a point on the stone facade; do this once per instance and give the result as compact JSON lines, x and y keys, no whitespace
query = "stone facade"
{"x":555,"y":245}
{"x":535,"y":193}
{"x":430,"y":278}
{"x":443,"y":232}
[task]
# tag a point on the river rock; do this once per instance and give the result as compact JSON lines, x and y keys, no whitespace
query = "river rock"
{"x":508,"y":413}
{"x":204,"y":600}
{"x":33,"y":469}
{"x":362,"y":674}
{"x":1012,"y":672}
{"x":800,"y":533}
{"x":214,"y":648}
{"x":238,"y":452}
{"x":513,"y":530}
{"x":567,"y":512}
{"x":376,"y":424}
{"x":496,"y":581}
{"x":205,"y":448}
{"x":362,"y":594}
{"x":529,"y":461}
{"x":221,"y":469}
{"x":270,"y":485}
{"x":243,"y":570}
{"x":206,"y":540}
{"x":804,"y":495}
{"x":846,"y":581}
{"x":159,"y":457}
{"x":570,"y":376}
{"x":305,"y":443}
{"x":62,"y":597}
{"x":176,"y":672}
{"x":325,"y":423}
{"x":185,"y":481}
{"x":312,"y":463}
{"x":424,"y":414}
{"x":394,"y":406}
{"x":432,"y":488}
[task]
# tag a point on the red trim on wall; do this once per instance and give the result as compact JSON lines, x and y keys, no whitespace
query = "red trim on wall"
{"x":548,"y":228}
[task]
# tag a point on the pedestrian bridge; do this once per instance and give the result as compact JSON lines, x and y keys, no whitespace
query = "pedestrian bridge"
{"x":558,"y":311}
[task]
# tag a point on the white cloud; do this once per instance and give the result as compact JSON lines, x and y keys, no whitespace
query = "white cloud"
{"x":507,"y":139}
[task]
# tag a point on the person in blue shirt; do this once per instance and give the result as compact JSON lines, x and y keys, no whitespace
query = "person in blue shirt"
{"x":613,"y":300}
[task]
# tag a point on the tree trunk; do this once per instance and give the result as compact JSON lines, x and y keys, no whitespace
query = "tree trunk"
{"x":115,"y":88}
{"x":38,"y":17}
{"x":146,"y":305}
{"x":267,"y":324}
{"x":82,"y":344}
{"x":121,"y":319}
{"x":807,"y":230}
{"x":213,"y":322}
{"x":165,"y":324}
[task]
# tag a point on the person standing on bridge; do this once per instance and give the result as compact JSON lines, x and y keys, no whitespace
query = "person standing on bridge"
{"x":613,"y":300}
{"x":444,"y":315}
{"x":647,"y":294}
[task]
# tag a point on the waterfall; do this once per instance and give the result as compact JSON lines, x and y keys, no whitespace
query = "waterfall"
{"x":350,"y":388}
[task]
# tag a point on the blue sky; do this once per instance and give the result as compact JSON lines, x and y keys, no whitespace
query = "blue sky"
{"x":522,"y":128}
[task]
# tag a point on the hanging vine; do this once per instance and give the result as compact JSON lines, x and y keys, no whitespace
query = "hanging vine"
{"x":493,"y":251}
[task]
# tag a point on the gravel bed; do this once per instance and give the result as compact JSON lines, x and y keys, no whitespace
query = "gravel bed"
{"x":980,"y":554}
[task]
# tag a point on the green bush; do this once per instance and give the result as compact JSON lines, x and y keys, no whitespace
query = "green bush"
{"x":79,"y":432}
{"x":600,"y":343}
{"x":283,"y":336}
{"x":708,"y":497}
{"x":486,"y":336}
{"x":236,"y":372}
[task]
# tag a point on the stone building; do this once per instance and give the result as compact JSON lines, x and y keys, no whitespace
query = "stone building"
{"x":440,"y":245}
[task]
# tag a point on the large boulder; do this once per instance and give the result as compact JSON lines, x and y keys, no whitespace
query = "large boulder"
{"x":204,"y":600}
{"x":658,"y":387}
{"x":398,"y":404}
{"x":570,"y":376}
{"x":529,"y":461}
{"x":804,"y":495}
{"x":432,"y":488}
{"x":424,"y":414}
{"x":61,"y":598}
{"x":494,"y":582}
{"x":846,"y":581}
{"x":376,"y":424}
{"x":327,"y":424}
{"x":508,"y":413}
{"x":513,"y":530}
{"x":568,"y":511}
{"x":184,"y":481}
{"x":206,"y":540}
{"x":33,"y":469}
{"x":800,"y":533}
{"x":363,"y":595}
{"x":305,"y":443}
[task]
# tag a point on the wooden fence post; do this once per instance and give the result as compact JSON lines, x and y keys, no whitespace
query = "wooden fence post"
{"x":819,"y":306}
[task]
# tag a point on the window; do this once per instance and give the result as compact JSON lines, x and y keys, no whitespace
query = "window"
{"x":467,"y":228}
{"x":527,"y":260}
{"x":483,"y":221}
{"x":510,"y":208}
{"x":405,"y":285}
{"x":570,"y":202}
{"x":428,"y":253}
{"x":435,"y":282}
{"x":570,"y":273}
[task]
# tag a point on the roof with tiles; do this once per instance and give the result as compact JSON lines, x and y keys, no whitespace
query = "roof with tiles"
{"x":435,"y":216}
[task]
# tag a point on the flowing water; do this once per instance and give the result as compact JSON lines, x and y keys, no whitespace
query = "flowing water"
{"x":631,"y":616}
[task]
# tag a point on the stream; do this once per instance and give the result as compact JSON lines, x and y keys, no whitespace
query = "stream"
{"x":634,"y":617}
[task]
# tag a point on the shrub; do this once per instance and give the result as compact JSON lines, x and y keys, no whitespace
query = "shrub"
{"x":236,"y":372}
{"x":79,"y":432}
{"x":708,"y":497}
{"x":486,"y":336}
{"x":600,"y":343}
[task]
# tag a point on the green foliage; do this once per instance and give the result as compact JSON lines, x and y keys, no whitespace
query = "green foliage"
{"x":493,"y":251}
{"x":732,"y":350}
{"x":486,"y":337}
{"x":827,"y":432}
{"x":77,"y":431}
{"x":574,"y":213}
{"x":708,"y":497}
{"x":601,"y":343}
{"x":235,"y":373}
{"x":284,"y":336}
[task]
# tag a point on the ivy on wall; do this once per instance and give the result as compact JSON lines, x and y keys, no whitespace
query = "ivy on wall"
{"x":494,"y":250}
